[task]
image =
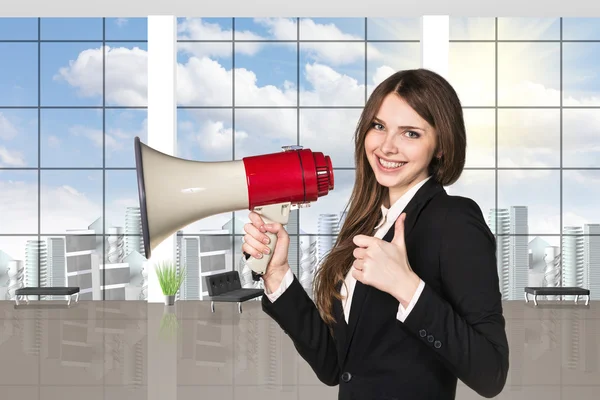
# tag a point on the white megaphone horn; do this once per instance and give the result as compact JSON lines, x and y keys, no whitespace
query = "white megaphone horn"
{"x":175,"y":192}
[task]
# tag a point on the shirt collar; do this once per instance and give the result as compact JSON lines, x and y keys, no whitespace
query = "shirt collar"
{"x":396,"y":209}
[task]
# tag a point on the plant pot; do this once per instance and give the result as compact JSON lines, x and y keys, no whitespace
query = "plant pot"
{"x":169,"y":300}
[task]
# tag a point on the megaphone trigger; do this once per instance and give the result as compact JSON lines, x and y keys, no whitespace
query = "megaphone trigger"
{"x":280,"y":213}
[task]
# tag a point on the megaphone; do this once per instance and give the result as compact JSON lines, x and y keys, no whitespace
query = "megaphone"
{"x":175,"y":192}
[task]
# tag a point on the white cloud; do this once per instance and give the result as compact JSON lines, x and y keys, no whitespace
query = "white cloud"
{"x":9,"y":132}
{"x":11,"y":158}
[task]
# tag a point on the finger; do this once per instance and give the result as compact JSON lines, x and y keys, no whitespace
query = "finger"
{"x":399,"y":233}
{"x":254,"y":232}
{"x":255,"y":245}
{"x":359,"y":252}
{"x":358,"y":275}
{"x":363,"y":240}
{"x":250,"y":251}
{"x":257,"y":221}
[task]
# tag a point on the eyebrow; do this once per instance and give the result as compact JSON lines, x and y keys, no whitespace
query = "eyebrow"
{"x":401,"y":127}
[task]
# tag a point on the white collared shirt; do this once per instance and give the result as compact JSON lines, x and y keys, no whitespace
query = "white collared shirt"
{"x":388,"y":220}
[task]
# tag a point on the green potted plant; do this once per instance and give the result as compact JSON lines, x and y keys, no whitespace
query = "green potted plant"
{"x":169,"y":280}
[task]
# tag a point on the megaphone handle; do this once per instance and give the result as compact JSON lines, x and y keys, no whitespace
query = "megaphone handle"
{"x":269,"y":214}
{"x":259,"y":265}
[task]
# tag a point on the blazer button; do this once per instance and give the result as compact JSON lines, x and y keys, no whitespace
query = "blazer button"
{"x":437,"y":344}
{"x":430,"y":338}
{"x":346,"y":376}
{"x":422,"y":332}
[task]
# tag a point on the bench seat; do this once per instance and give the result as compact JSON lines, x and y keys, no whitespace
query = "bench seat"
{"x":47,"y":291}
{"x":556,"y":291}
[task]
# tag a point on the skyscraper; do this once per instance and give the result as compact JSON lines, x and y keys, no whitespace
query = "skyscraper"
{"x":499,"y":223}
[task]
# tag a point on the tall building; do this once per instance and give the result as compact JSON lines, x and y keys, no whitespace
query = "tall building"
{"x":327,"y":230}
{"x":57,"y":266}
{"x":36,"y":263}
{"x":591,"y":259}
{"x":519,"y":251}
{"x":572,"y":257}
{"x":499,"y":223}
{"x":190,"y":258}
{"x":133,"y":231}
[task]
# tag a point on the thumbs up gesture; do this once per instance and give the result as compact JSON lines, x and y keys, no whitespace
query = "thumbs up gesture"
{"x":384,"y":265}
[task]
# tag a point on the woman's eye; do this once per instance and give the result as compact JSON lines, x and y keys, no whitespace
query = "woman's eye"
{"x":377,"y":126}
{"x":415,"y":134}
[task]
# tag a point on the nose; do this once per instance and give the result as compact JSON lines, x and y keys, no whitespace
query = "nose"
{"x":388,"y":146}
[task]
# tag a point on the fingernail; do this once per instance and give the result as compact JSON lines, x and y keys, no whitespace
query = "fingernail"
{"x":266,"y":250}
{"x":258,"y":255}
{"x":266,"y":240}
{"x":262,"y":228}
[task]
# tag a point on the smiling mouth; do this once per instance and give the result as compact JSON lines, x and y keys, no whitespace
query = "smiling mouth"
{"x":389,"y":166}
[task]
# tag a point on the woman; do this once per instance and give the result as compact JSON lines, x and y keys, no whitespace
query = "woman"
{"x":408,"y":300}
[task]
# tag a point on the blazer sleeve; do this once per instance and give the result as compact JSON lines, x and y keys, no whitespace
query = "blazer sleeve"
{"x":465,"y":326}
{"x":298,"y":316}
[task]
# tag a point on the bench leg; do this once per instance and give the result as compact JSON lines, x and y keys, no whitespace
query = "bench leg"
{"x":240,"y":307}
{"x":526,"y":298}
{"x":587,"y":299}
{"x":77,"y":297}
{"x":212,"y":306}
{"x":535,"y":300}
{"x":576,"y":298}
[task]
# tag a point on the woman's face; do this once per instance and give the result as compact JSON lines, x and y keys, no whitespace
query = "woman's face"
{"x":399,"y":135}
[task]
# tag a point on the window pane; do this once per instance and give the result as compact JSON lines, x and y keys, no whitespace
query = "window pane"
{"x":581,"y":191}
{"x":394,"y":28}
{"x":71,"y":28}
{"x":334,"y":29}
{"x":205,"y":134}
{"x":18,"y":28}
{"x":266,"y":74}
{"x":13,"y":248}
{"x":204,"y":74}
{"x":204,"y":28}
{"x":19,"y":202}
{"x":538,"y":192}
{"x":71,"y":74}
{"x":19,"y":74}
{"x":18,"y":138}
{"x":581,"y":83}
{"x":71,"y":199}
{"x":332,"y":74}
{"x":529,"y":138}
{"x":122,"y":126}
{"x":581,"y":142}
{"x":528,"y":74}
{"x":126,"y":28}
{"x":71,"y":138}
{"x":479,"y":124}
{"x":126,"y":80}
{"x":526,"y":28}
{"x":581,"y":28}
{"x":472,"y":73}
{"x":266,"y":29}
{"x":472,"y":28}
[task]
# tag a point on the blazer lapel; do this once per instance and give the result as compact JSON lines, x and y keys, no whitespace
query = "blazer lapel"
{"x":361,"y":291}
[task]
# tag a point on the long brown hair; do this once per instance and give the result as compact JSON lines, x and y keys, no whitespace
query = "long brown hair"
{"x":434,"y":99}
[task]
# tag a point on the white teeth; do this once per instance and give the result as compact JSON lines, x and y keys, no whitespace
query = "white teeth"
{"x":388,"y":164}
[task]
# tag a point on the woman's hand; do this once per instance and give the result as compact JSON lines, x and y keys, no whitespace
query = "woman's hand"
{"x":255,"y":245}
{"x":384,"y":265}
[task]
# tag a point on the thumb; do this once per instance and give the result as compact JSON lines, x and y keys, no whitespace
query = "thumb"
{"x":399,"y":232}
{"x":278,"y":230}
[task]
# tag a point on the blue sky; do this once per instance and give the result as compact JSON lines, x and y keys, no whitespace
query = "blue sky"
{"x":331,"y":74}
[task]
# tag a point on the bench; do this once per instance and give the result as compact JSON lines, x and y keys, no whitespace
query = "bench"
{"x":68,"y":291}
{"x":556,"y":291}
{"x":227,"y":287}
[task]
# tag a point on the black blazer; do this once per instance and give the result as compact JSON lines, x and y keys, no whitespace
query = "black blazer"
{"x":456,"y":329}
